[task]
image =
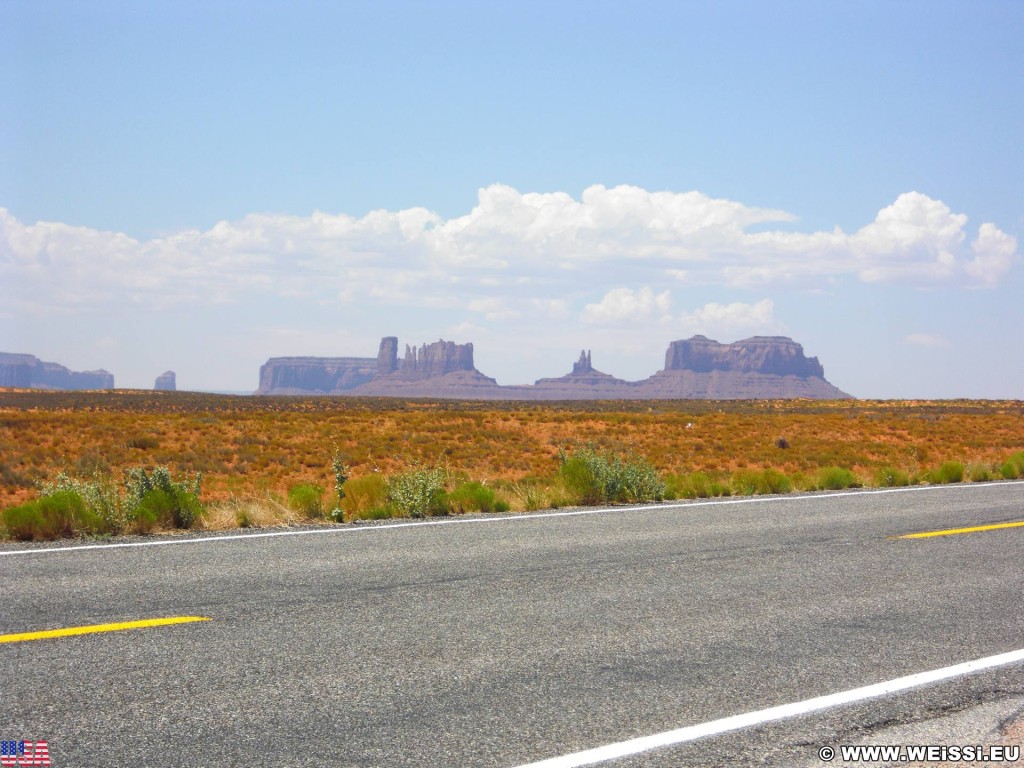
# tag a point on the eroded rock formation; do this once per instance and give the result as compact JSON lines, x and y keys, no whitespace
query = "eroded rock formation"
{"x":315,"y":375}
{"x":762,"y":367}
{"x":28,"y":371}
{"x":386,"y":374}
{"x":166,"y":382}
{"x":437,"y":359}
{"x":776,"y":355}
{"x":584,"y":383}
{"x":759,"y":367}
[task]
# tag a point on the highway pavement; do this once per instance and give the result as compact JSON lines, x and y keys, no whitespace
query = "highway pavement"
{"x":506,"y":640}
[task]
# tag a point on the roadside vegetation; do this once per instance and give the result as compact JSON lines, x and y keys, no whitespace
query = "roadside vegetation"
{"x":70,"y":506}
{"x":103,"y":464}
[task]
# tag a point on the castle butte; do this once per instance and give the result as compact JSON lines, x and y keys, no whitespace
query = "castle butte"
{"x":762,"y":367}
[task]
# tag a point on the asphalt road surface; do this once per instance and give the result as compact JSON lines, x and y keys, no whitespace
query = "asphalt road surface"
{"x":502,"y":641}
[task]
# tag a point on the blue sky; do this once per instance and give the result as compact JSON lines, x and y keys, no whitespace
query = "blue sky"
{"x":201,"y":186}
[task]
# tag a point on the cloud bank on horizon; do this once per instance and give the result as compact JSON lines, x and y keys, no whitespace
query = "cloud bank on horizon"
{"x":610,"y":258}
{"x":617,"y":268}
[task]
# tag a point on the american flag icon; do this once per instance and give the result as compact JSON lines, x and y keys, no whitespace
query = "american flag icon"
{"x":21,"y":753}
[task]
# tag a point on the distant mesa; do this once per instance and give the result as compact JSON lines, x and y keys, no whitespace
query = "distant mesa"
{"x":166,"y":382}
{"x":386,"y":374}
{"x":762,"y":367}
{"x":29,"y":372}
{"x":776,"y":355}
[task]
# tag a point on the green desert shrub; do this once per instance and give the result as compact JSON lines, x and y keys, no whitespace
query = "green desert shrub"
{"x":745,"y":482}
{"x":951,"y":472}
{"x":150,"y":512}
{"x":675,"y":487}
{"x":590,"y":476}
{"x":474,"y":496}
{"x":1013,"y":467}
{"x":596,"y":477}
{"x":947,"y":472}
{"x":366,"y":498}
{"x":979,"y":473}
{"x":341,"y":473}
{"x":640,"y":482}
{"x":24,"y":522}
{"x":836,"y":478}
{"x":74,"y":505}
{"x":749,"y":482}
{"x":158,"y":507}
{"x":307,"y":499}
{"x":419,"y":492}
{"x":773,"y":481}
{"x":719,"y":488}
{"x":58,"y":515}
{"x":801,"y":481}
{"x":99,"y":492}
{"x":695,"y":485}
{"x":155,"y":498}
{"x":890,"y":477}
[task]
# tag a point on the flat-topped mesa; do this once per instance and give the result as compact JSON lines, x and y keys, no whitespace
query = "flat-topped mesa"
{"x":28,"y":371}
{"x":314,"y":375}
{"x":166,"y":382}
{"x":436,"y":359}
{"x":775,"y":355}
{"x":763,"y":367}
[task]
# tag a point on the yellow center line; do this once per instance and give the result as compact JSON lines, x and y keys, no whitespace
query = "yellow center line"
{"x":955,"y":531}
{"x":94,"y":628}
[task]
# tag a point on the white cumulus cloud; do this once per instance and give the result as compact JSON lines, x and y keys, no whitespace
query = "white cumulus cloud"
{"x":729,"y":320}
{"x":994,"y":253}
{"x":512,"y":247}
{"x":623,"y":305}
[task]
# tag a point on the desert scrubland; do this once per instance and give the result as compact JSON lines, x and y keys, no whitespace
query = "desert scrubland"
{"x":252,"y":453}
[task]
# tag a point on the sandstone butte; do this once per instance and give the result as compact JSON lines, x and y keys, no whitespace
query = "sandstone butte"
{"x":762,"y":367}
{"x":28,"y":371}
{"x":166,"y":382}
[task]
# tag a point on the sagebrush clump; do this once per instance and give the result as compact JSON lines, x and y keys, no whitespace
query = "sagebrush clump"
{"x":72,"y":506}
{"x":419,"y":492}
{"x":598,"y":477}
{"x":159,"y":498}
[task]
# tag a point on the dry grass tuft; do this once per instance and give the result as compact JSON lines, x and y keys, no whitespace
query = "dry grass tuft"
{"x":248,"y":512}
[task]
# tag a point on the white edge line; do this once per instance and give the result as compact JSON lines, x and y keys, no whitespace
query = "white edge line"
{"x":764,"y":499}
{"x":785,"y":711}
